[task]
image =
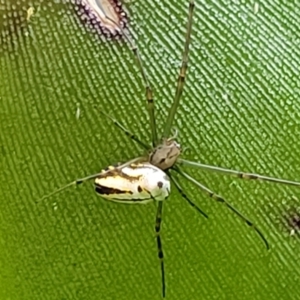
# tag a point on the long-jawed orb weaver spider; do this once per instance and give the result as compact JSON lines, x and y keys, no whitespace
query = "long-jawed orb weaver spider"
{"x":147,"y":177}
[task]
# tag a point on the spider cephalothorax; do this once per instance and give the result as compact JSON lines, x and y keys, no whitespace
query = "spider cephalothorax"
{"x":165,"y":155}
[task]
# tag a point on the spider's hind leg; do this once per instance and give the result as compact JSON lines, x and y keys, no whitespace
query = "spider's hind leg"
{"x":220,"y":199}
{"x":185,"y":197}
{"x":159,"y":245}
{"x":238,"y":174}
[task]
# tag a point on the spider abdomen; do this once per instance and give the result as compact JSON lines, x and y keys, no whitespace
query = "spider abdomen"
{"x":136,"y":183}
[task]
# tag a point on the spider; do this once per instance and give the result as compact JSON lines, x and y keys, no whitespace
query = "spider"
{"x":147,"y":178}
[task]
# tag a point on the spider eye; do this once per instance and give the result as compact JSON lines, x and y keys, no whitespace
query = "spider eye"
{"x":160,"y":184}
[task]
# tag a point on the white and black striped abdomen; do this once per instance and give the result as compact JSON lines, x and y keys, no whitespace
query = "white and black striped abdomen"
{"x":137,"y":183}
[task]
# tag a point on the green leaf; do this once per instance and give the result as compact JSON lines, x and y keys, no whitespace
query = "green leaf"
{"x":240,"y":110}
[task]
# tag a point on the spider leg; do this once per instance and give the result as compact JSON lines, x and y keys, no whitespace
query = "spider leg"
{"x":81,"y":180}
{"x":125,"y":130}
{"x":184,"y":196}
{"x":238,"y":174}
{"x":182,"y":72}
{"x":220,"y":199}
{"x":149,"y":93}
{"x":159,"y":245}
